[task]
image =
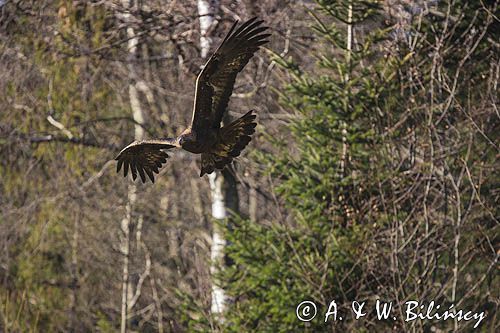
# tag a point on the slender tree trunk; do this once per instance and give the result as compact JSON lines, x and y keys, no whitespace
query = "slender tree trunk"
{"x":218,"y":242}
{"x":206,"y":11}
{"x":343,"y":160}
{"x":74,"y":273}
{"x":126,"y":223}
{"x":222,"y":185}
{"x":252,"y":202}
{"x":345,"y":147}
{"x":125,"y":251}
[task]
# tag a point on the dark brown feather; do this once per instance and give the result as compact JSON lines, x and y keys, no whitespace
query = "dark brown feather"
{"x":144,"y":158}
{"x":233,"y":139}
{"x":215,"y":83}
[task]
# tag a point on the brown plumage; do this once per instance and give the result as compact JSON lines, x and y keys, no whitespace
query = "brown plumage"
{"x":214,"y":86}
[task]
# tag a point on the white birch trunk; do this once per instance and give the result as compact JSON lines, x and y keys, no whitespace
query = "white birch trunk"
{"x":125,"y":251}
{"x":206,"y":11}
{"x":343,"y":160}
{"x":137,"y":114}
{"x":218,"y":242}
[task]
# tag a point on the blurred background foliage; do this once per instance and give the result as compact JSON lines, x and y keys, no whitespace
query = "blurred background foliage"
{"x":373,"y":173}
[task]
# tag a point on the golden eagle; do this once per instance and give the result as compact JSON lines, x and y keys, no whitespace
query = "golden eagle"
{"x":214,"y":86}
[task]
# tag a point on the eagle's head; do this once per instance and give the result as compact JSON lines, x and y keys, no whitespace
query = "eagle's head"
{"x":187,"y":136}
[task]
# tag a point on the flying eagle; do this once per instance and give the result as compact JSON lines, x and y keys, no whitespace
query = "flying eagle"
{"x":214,"y":86}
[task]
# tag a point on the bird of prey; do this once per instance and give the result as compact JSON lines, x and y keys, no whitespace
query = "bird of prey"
{"x":214,"y":86}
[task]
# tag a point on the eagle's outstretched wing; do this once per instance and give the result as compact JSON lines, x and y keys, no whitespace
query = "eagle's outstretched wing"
{"x":214,"y":84}
{"x":144,"y":157}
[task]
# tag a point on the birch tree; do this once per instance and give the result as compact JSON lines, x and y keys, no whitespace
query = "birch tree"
{"x":206,"y":11}
{"x":138,"y":117}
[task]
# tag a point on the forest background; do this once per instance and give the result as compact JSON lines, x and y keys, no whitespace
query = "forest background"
{"x":373,"y":173}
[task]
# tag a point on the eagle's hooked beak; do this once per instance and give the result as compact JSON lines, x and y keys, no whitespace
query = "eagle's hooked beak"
{"x":185,"y":137}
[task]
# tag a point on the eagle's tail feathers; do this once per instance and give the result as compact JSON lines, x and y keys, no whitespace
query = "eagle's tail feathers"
{"x":210,"y":162}
{"x":234,"y":138}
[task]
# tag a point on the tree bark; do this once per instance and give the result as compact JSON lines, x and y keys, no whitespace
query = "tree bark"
{"x":73,"y":324}
{"x":222,"y":185}
{"x":126,"y":223}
